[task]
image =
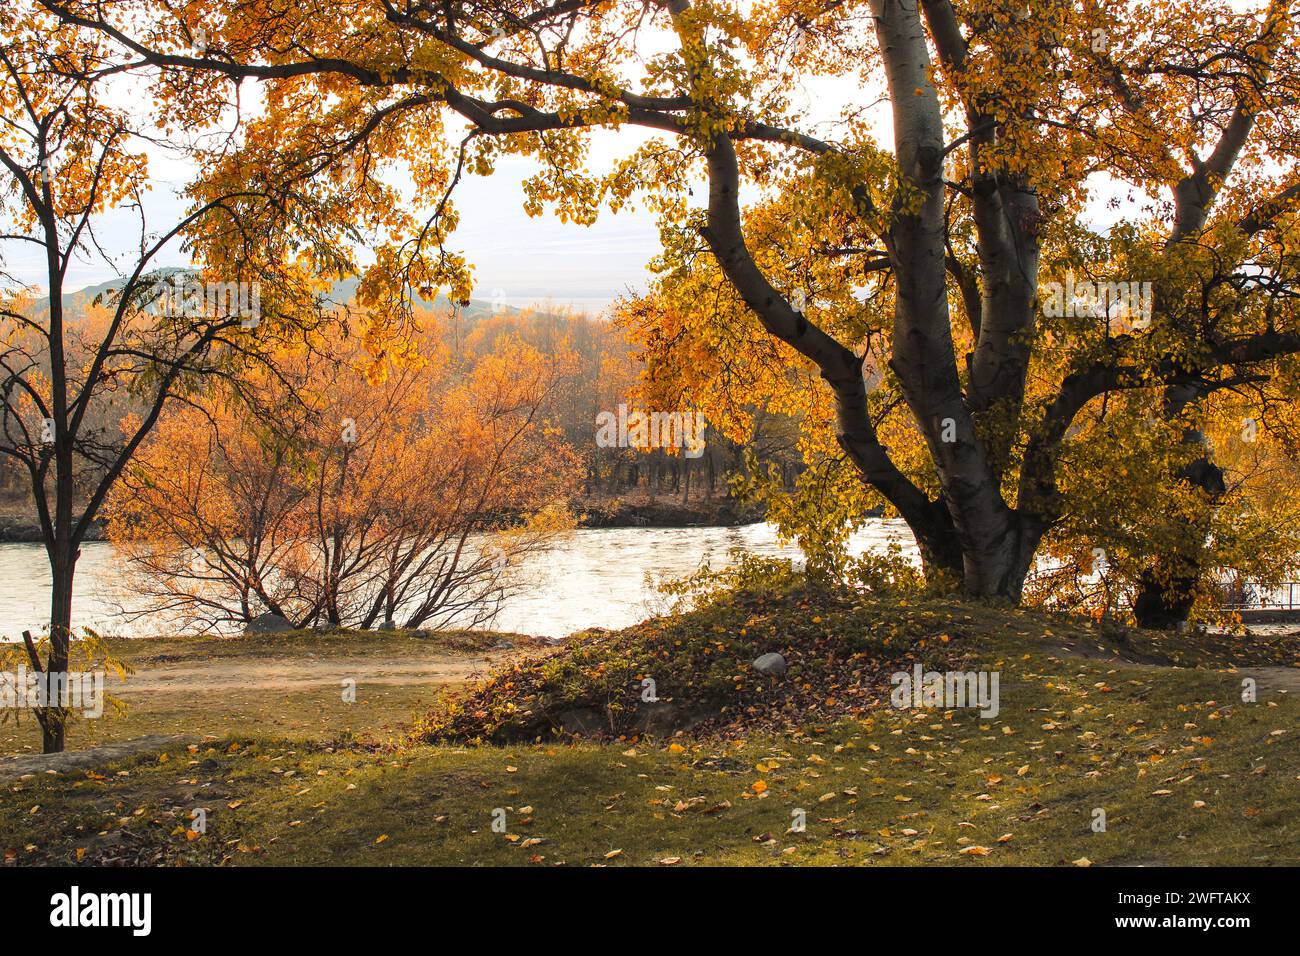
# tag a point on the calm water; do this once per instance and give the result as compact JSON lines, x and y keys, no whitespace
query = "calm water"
{"x":599,"y":577}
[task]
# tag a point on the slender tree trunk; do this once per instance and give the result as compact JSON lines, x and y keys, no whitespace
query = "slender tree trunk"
{"x":54,"y":716}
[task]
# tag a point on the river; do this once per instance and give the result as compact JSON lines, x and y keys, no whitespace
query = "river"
{"x":597,"y":577}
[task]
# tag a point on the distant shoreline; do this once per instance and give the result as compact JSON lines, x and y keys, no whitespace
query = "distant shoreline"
{"x":20,"y":529}
{"x":666,"y":512}
{"x":637,"y":512}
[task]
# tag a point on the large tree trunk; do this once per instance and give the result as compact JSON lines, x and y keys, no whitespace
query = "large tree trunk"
{"x":1166,"y":590}
{"x":968,"y":534}
{"x":1163,"y":602}
{"x":924,"y":357}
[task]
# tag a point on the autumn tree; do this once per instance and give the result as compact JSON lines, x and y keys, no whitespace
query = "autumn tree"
{"x":935,"y":239}
{"x":1129,"y":498}
{"x":331,"y":496}
{"x":67,"y":157}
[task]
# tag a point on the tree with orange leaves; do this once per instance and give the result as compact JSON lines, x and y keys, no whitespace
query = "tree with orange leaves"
{"x":328,"y":495}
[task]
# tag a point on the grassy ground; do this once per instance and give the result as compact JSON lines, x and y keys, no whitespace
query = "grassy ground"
{"x":273,"y":685}
{"x":1184,"y":770}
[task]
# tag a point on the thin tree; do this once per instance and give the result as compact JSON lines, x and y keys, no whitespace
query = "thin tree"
{"x":67,"y":158}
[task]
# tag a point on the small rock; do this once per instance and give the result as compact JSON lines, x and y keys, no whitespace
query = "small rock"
{"x":267,"y":623}
{"x":772,"y":664}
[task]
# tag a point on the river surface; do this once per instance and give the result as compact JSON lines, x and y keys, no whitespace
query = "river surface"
{"x":597,"y":577}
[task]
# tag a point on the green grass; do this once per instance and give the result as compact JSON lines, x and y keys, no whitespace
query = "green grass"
{"x":878,"y":786}
{"x":313,"y":713}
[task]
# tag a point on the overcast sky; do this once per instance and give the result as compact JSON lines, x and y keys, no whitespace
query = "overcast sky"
{"x":529,"y":260}
{"x":518,"y":259}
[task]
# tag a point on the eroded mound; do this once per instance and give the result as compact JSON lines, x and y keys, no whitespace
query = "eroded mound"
{"x":694,"y":672}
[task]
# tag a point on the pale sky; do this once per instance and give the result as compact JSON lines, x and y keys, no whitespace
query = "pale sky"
{"x":531,"y":260}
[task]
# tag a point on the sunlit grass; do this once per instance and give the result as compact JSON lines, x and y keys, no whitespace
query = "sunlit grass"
{"x":1184,"y":770}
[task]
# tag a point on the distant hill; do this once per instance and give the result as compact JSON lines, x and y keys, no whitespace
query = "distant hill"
{"x":345,"y":290}
{"x":341,"y":293}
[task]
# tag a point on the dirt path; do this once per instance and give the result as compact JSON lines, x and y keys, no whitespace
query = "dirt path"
{"x":301,"y":673}
{"x":1269,"y":680}
{"x":195,"y":692}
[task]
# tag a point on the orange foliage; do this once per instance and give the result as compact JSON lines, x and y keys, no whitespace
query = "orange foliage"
{"x":330,"y":496}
